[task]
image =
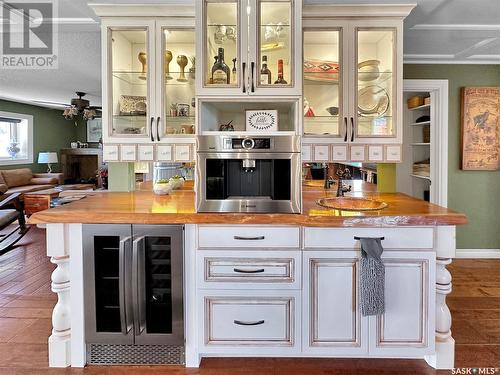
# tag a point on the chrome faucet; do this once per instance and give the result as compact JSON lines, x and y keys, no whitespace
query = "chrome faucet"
{"x":328,"y":179}
{"x":343,"y":175}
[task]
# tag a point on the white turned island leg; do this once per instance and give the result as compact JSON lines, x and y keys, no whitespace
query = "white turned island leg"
{"x":445,"y":344}
{"x":60,"y":340}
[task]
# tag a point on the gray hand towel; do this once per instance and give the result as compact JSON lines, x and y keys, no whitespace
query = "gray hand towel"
{"x":372,"y":277}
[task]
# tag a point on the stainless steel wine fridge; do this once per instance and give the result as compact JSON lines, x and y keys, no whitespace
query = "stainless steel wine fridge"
{"x":134,"y":294}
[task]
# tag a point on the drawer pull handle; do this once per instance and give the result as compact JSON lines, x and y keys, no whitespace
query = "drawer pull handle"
{"x":242,"y":323}
{"x":260,"y":270}
{"x":258,"y":238}
{"x":375,"y":238}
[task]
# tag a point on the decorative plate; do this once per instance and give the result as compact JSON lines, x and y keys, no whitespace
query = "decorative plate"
{"x":321,"y":70}
{"x":373,"y":100}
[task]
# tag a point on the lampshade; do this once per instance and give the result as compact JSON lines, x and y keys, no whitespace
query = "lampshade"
{"x":47,"y":157}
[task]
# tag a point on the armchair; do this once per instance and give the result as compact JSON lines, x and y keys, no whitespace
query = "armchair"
{"x":11,"y":210}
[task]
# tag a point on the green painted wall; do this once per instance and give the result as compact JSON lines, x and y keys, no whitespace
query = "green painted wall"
{"x":51,"y":132}
{"x":386,"y":177}
{"x":121,"y":177}
{"x":477,"y":194}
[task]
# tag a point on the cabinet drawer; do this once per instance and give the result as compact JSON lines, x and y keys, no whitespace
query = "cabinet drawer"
{"x":110,"y":152}
{"x":339,"y":153}
{"x":146,"y":152}
{"x":357,"y":153}
{"x":237,"y":236}
{"x":128,"y":152}
{"x":183,"y":153}
{"x":321,"y":152}
{"x":394,"y":238}
{"x":253,"y":269}
{"x":306,"y":152}
{"x":249,"y":320}
{"x":164,"y":152}
{"x":393,"y":153}
{"x":375,"y":153}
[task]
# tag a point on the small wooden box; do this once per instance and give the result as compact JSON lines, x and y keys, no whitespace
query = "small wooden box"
{"x":426,"y":134}
{"x":415,"y":101}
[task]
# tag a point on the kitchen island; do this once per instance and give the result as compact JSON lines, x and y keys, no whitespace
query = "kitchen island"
{"x":275,"y":284}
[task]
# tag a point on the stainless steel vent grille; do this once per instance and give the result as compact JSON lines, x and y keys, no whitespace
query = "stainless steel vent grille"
{"x":101,"y":354}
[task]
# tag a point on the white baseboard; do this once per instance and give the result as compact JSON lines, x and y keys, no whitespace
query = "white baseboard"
{"x":478,"y":253}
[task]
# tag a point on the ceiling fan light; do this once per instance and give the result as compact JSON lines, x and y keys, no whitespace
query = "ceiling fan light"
{"x":89,"y":114}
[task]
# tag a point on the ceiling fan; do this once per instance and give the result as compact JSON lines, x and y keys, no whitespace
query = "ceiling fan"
{"x":78,"y":106}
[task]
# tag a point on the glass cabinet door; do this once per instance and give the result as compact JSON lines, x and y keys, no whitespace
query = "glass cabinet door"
{"x":323,"y":83}
{"x":221,"y":50}
{"x":375,"y":82}
{"x":131,"y":78}
{"x":274,"y":43}
{"x":177,"y":72}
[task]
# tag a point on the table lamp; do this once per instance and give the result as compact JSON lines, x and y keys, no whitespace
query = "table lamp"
{"x":48,"y":158}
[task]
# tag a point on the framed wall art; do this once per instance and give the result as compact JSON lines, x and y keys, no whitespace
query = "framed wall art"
{"x":480,"y":128}
{"x":94,"y":130}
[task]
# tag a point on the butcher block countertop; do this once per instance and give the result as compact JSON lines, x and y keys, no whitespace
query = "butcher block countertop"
{"x":144,"y":207}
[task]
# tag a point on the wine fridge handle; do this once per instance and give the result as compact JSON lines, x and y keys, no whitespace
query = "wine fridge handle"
{"x":151,"y":129}
{"x":352,"y":129}
{"x":345,"y":123}
{"x":253,"y":73}
{"x":158,"y":128}
{"x":243,"y":68}
{"x":137,"y":299}
{"x":122,"y":284}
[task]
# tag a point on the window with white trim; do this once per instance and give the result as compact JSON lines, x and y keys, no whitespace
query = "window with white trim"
{"x":16,"y":138}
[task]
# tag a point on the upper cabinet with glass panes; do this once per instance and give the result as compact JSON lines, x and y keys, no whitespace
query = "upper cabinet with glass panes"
{"x":149,"y":68}
{"x":353,"y":73}
{"x":249,"y":47}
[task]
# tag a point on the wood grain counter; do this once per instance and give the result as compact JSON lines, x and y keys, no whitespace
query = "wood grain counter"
{"x":143,"y":207}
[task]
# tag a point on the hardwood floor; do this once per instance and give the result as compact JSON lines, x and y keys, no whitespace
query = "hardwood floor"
{"x":26,"y":305}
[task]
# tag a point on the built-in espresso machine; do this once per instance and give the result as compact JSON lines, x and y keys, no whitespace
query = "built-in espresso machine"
{"x":248,"y":174}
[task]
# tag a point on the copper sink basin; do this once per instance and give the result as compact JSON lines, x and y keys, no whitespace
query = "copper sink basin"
{"x":351,"y":204}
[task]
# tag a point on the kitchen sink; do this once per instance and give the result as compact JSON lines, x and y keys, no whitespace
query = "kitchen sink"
{"x":351,"y":204}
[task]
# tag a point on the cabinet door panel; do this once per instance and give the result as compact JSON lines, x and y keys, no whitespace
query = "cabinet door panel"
{"x":407,"y":326}
{"x":322,"y":84}
{"x":375,"y":83}
{"x":176,"y":69}
{"x":222,"y":30}
{"x":129,"y":84}
{"x":333,"y":323}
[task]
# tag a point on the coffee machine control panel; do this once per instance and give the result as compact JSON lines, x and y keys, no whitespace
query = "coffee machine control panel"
{"x":247,"y":143}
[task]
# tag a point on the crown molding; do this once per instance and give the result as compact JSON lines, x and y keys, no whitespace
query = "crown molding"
{"x":143,"y":10}
{"x":313,"y":11}
{"x":457,"y":27}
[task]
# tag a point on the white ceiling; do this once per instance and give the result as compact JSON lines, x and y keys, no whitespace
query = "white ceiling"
{"x":437,"y":31}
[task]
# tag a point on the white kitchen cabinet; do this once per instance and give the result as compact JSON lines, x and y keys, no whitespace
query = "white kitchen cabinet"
{"x":407,"y":326}
{"x":244,"y":31}
{"x":148,"y":73}
{"x":353,"y":75}
{"x":268,"y":269}
{"x":332,"y":323}
{"x":164,"y":152}
{"x":236,"y":322}
{"x":128,"y":153}
{"x":145,"y":152}
{"x":110,"y":153}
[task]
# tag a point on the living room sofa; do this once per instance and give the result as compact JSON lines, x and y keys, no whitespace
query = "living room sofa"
{"x":23,"y":180}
